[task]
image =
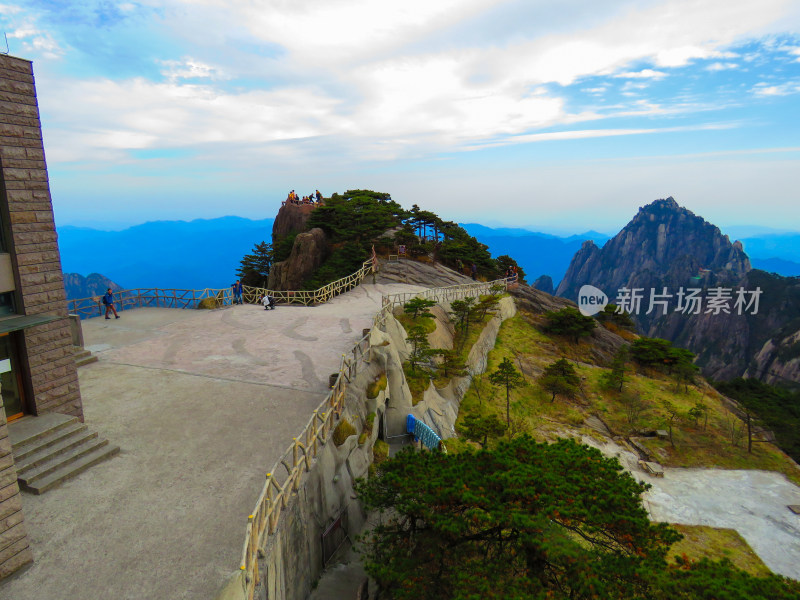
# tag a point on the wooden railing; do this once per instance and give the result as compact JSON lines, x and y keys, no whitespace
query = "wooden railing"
{"x":444,"y":294}
{"x":311,"y":297}
{"x":296,"y":460}
{"x":179,"y":298}
{"x":144,"y":297}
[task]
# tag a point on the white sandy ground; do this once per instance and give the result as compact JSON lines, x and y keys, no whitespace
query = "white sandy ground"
{"x":754,"y":503}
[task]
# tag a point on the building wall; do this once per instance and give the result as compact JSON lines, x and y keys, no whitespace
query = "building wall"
{"x":46,"y":350}
{"x":31,"y":267}
{"x":15,"y":550}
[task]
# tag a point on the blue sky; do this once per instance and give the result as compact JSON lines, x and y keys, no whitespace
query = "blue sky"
{"x":539,"y":114}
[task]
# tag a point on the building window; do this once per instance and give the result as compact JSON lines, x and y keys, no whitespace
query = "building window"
{"x":10,"y":387}
{"x":7,"y":304}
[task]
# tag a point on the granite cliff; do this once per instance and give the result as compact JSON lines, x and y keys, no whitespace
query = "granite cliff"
{"x":668,"y":246}
{"x":94,"y":284}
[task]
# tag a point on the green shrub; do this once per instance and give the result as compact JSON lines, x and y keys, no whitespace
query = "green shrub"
{"x":362,"y":438}
{"x":207,"y":303}
{"x":380,"y":451}
{"x":376,"y":387}
{"x":343,"y":431}
{"x":370,"y":420}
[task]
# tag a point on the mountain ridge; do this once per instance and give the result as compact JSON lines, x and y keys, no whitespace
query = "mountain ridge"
{"x":667,"y":248}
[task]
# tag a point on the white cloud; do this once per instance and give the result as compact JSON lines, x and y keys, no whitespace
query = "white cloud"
{"x":643,"y":74}
{"x":720,"y":66}
{"x":91,"y":117}
{"x":377,"y":76}
{"x":188,"y":68}
{"x":764,"y":89}
{"x":594,"y":133}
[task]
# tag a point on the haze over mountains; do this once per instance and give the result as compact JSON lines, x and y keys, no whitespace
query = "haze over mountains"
{"x":164,"y":254}
{"x":206,"y":252}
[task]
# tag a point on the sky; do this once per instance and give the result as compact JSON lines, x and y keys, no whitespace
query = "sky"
{"x":554,"y":116}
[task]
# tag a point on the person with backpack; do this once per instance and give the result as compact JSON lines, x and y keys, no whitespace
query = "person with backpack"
{"x":108,"y":300}
{"x":238,"y":289}
{"x":268,"y":302}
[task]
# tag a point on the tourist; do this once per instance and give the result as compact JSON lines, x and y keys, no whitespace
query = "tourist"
{"x":474,"y":270}
{"x":108,"y":300}
{"x":238,"y":289}
{"x":268,"y":302}
{"x":319,"y":197}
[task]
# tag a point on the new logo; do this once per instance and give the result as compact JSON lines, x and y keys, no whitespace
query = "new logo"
{"x":591,"y":300}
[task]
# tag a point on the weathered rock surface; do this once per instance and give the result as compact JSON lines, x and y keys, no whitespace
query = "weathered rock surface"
{"x":664,"y":245}
{"x":419,"y":273}
{"x":291,"y":218}
{"x":544,"y":284}
{"x":309,"y":251}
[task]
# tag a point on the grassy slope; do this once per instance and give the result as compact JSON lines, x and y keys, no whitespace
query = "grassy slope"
{"x":700,"y":541}
{"x":701,"y":445}
{"x":695,"y":446}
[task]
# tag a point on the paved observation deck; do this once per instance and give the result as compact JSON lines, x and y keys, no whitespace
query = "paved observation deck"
{"x":201,"y":403}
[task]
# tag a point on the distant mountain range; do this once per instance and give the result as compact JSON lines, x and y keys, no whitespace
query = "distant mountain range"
{"x":78,"y":286}
{"x":164,"y":254}
{"x":206,"y":252}
{"x":537,"y":253}
{"x":546,"y":254}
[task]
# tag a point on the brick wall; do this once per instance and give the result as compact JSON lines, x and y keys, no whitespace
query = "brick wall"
{"x":15,"y":550}
{"x":46,"y":349}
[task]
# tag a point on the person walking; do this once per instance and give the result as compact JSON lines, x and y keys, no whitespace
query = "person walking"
{"x":108,"y":300}
{"x":238,"y":289}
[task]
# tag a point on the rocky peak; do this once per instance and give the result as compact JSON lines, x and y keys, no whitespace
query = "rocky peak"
{"x":291,"y":218}
{"x":663,"y":245}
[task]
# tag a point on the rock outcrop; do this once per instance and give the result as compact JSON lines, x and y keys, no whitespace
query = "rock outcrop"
{"x":419,"y":273}
{"x":94,"y":284}
{"x":309,"y":251}
{"x":291,"y":218}
{"x":544,"y":284}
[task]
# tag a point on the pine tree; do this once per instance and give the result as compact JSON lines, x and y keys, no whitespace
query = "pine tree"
{"x":254,"y":268}
{"x":508,"y":377}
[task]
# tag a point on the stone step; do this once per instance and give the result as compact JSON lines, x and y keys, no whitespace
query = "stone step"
{"x":83,"y":356}
{"x":61,"y":461}
{"x":29,"y":429}
{"x":56,"y":436}
{"x":52,"y":449}
{"x":85,"y":360}
{"x":70,"y":470}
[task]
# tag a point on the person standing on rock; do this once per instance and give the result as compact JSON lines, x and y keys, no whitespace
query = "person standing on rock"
{"x":108,"y":300}
{"x":238,"y":289}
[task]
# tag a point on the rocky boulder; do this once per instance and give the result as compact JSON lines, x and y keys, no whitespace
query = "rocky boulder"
{"x":309,"y":251}
{"x":544,"y":284}
{"x":291,"y":218}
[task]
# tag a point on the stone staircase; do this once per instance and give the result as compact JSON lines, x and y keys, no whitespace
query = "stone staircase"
{"x":53,"y":448}
{"x":83,"y":356}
